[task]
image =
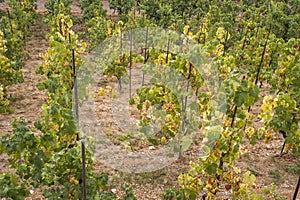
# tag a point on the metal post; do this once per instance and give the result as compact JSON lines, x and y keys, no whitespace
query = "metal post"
{"x":130,"y":62}
{"x":145,"y":54}
{"x":75,"y":90}
{"x":83,"y":169}
{"x":168,"y":49}
{"x":297,"y":189}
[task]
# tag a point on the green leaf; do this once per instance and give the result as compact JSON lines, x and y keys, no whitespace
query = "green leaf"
{"x":211,"y":169}
{"x":213,"y":133}
{"x":266,"y":191}
{"x":249,"y":178}
{"x":186,"y":142}
{"x":240,"y":98}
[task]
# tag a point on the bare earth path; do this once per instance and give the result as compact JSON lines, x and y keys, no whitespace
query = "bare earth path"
{"x":28,"y":99}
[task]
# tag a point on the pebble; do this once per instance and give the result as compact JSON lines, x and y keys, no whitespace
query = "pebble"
{"x":151,"y":148}
{"x":114,"y":190}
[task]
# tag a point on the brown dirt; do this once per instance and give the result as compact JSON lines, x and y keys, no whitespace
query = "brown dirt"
{"x":28,"y":100}
{"x":259,"y":159}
